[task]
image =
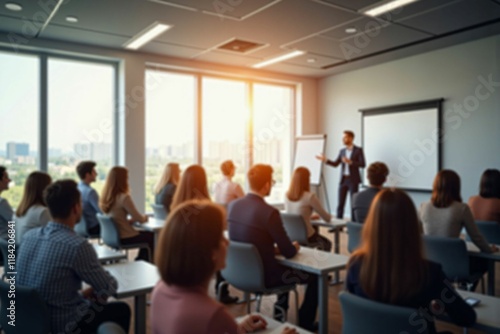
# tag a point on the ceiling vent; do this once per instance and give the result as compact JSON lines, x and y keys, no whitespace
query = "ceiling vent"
{"x":240,"y":46}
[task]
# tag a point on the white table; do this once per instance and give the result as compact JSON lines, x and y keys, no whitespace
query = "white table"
{"x":275,"y":327}
{"x":319,"y":263}
{"x":487,"y":311}
{"x":492,"y":258}
{"x":135,"y":279}
{"x":106,"y":254}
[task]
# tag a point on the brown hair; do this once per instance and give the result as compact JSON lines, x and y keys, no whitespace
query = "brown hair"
{"x":84,"y":168}
{"x":33,"y":192}
{"x":226,"y":167}
{"x":490,"y":184}
{"x":193,"y":185}
{"x":393,"y":269}
{"x":258,"y":175}
{"x":116,"y":183}
{"x":446,"y":189}
{"x":349,"y":133}
{"x":170,"y":173}
{"x":185,"y":246}
{"x":377,"y":173}
{"x":299,"y":184}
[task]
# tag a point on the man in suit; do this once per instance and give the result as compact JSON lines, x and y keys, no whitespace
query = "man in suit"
{"x":351,"y":159}
{"x":377,"y":175}
{"x":252,"y":220}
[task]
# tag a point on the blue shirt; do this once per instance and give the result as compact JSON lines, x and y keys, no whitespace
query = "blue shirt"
{"x":55,"y":260}
{"x":90,"y":204}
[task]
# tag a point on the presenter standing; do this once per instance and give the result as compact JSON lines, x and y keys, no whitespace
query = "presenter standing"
{"x":351,"y":159}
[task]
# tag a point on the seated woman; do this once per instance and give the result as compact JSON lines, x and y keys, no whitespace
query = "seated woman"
{"x":226,"y":190}
{"x":389,"y":267}
{"x":165,"y":188}
{"x":486,"y":206}
{"x":32,"y":211}
{"x":115,"y":201}
{"x":299,"y":200}
{"x":191,"y":248}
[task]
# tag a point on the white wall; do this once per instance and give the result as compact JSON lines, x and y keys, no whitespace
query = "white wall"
{"x":132,"y":117}
{"x":471,"y":110}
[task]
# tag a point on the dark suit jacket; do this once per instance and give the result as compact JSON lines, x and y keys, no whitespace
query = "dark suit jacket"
{"x":358,"y":161}
{"x":361,"y":203}
{"x":252,"y":220}
{"x":165,"y":196}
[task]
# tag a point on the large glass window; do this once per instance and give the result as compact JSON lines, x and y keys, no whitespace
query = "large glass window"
{"x":19,"y":120}
{"x":81,"y":101}
{"x":225,"y":114}
{"x":272,"y":136}
{"x":170,"y":124}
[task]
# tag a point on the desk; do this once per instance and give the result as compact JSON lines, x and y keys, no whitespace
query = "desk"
{"x":491,"y":257}
{"x":152,"y":225}
{"x":487,"y":311}
{"x":106,"y":254}
{"x":135,"y":279}
{"x":275,"y":327}
{"x":319,"y":263}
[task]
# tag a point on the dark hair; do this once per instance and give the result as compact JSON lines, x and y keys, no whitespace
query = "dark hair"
{"x":258,"y":175}
{"x":33,"y":191}
{"x":226,"y":167}
{"x":2,"y":171}
{"x":349,"y":133}
{"x":446,"y":189}
{"x":383,"y":276}
{"x":490,"y":184}
{"x":61,"y":197}
{"x":377,"y":173}
{"x":185,"y":247}
{"x":84,"y":168}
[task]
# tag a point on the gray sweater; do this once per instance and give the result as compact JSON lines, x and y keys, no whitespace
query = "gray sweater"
{"x":448,"y":222}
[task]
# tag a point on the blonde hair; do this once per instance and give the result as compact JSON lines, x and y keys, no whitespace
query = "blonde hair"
{"x":116,"y":183}
{"x":170,"y":175}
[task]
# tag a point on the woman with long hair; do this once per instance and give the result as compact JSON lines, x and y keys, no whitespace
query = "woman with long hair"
{"x":165,"y":188}
{"x":300,"y":200}
{"x":193,"y":185}
{"x":390,"y":267}
{"x":191,"y":248}
{"x":486,"y":205}
{"x":32,"y":211}
{"x":116,"y":202}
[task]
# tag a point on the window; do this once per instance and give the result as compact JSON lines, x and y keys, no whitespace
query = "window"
{"x":80,"y":117}
{"x":170,"y":124}
{"x":19,"y":110}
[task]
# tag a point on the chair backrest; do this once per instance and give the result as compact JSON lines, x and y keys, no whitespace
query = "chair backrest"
{"x":110,"y":328}
{"x":81,"y":228}
{"x":31,"y":312}
{"x":362,"y":315}
{"x":295,"y":227}
{"x":244,"y":269}
{"x":489,"y":229}
{"x":451,"y":253}
{"x":109,"y":231}
{"x":159,"y":211}
{"x":353,"y":236}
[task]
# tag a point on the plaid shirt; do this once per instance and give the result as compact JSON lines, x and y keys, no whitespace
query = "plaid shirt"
{"x":55,"y":260}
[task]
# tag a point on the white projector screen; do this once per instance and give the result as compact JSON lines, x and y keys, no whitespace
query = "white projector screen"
{"x":306,"y":149}
{"x":407,"y":138}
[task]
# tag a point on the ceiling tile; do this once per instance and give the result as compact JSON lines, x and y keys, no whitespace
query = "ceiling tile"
{"x":352,"y":4}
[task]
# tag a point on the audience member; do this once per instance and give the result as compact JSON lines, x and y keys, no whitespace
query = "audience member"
{"x":90,"y":200}
{"x":301,"y":201}
{"x":6,"y":212}
{"x":55,"y":261}
{"x":252,"y":220}
{"x":226,"y":190}
{"x":191,"y":248}
{"x":486,"y":206}
{"x":117,"y":203}
{"x":193,"y":186}
{"x":32,"y":211}
{"x":377,"y":175}
{"x":408,"y":279}
{"x":165,"y":188}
